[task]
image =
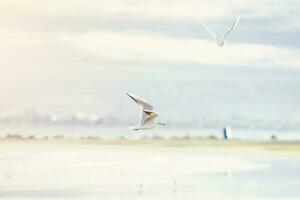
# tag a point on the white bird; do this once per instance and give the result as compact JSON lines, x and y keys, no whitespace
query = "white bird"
{"x":147,"y":115}
{"x":221,"y":41}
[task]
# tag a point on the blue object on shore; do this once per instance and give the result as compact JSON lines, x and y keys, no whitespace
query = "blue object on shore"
{"x":227,"y":133}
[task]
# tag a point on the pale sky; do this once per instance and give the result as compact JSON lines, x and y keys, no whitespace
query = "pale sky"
{"x":75,"y":56}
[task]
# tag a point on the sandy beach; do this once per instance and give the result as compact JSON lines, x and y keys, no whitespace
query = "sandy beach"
{"x":142,"y":169}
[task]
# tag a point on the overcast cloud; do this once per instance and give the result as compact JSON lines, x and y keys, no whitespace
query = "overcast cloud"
{"x":77,"y":56}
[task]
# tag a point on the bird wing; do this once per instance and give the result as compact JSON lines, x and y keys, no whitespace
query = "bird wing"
{"x":141,"y":102}
{"x":210,"y":32}
{"x":231,"y":28}
{"x":149,"y":117}
{"x":144,"y":106}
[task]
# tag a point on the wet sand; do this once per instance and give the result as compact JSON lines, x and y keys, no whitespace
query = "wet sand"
{"x":142,"y":169}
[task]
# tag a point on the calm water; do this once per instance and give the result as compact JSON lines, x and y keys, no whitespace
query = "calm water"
{"x":280,"y":181}
{"x":116,"y":132}
{"x":69,"y":172}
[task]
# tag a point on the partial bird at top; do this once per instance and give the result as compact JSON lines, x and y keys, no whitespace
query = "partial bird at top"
{"x":221,"y":40}
{"x":147,"y":115}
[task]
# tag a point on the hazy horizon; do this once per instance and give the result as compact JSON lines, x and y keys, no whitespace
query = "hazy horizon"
{"x":66,"y":58}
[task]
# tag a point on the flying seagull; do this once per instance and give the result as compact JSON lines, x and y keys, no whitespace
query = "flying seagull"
{"x":221,"y":41}
{"x":147,"y":115}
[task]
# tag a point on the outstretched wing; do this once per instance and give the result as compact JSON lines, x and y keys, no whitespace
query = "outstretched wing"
{"x":144,"y":106}
{"x":141,"y":102}
{"x":231,"y":28}
{"x":210,"y":32}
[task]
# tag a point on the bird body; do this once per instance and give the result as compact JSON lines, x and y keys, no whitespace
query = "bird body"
{"x":147,"y":114}
{"x":218,"y":40}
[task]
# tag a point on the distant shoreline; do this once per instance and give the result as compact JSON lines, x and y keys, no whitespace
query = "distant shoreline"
{"x":234,"y":145}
